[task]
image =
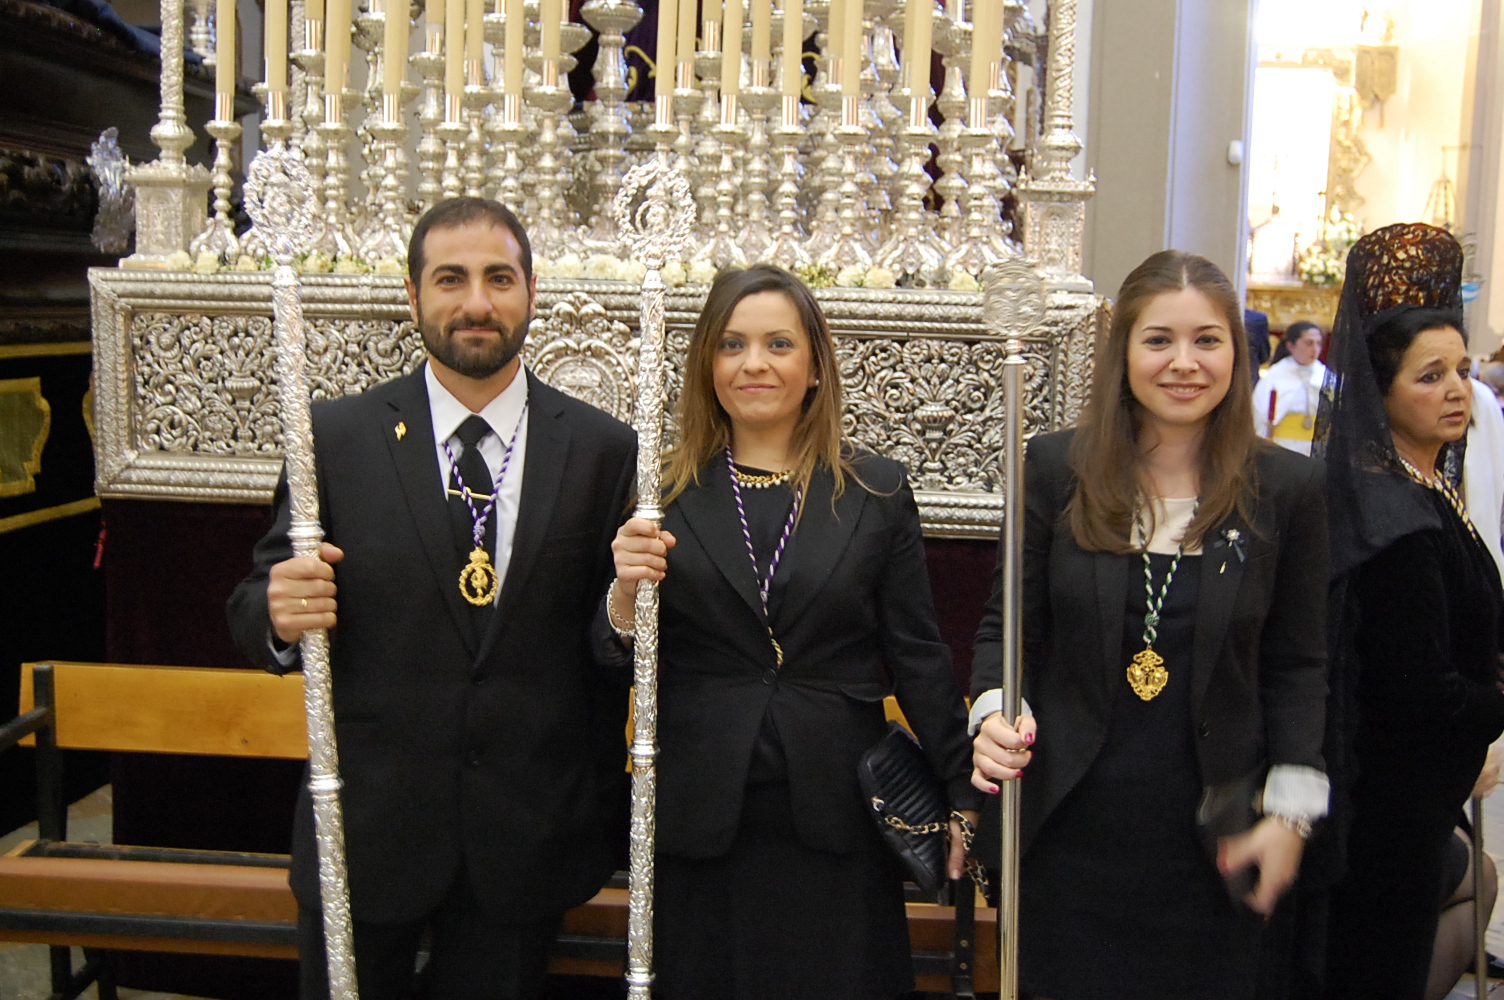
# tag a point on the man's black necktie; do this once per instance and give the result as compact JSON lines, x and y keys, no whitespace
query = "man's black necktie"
{"x":471,"y":471}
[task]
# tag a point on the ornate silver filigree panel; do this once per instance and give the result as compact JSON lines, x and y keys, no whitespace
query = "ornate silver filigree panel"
{"x":186,"y":392}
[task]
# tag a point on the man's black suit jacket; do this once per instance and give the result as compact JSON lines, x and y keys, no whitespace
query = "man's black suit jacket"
{"x":501,"y":755}
{"x":855,"y":622}
{"x":1258,"y":685}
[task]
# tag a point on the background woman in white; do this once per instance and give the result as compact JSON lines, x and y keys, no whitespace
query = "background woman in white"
{"x":1284,"y":401}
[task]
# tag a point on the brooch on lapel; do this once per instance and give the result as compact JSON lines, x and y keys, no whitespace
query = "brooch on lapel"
{"x":401,"y":430}
{"x":1232,"y":539}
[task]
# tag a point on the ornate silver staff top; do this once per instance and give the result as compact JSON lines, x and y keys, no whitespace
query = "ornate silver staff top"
{"x":279,"y":200}
{"x":655,"y":216}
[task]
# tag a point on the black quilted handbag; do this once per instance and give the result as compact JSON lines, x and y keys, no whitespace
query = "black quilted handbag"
{"x":909,"y":804}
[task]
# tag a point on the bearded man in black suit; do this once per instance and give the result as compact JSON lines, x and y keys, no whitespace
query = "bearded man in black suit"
{"x":468,"y":511}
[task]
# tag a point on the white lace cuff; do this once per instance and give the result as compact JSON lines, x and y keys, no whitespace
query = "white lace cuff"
{"x":987,"y":702}
{"x":1296,"y":791}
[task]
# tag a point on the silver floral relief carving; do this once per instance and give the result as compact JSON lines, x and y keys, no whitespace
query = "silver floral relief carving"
{"x":350,"y":356}
{"x":577,"y":348}
{"x":937,"y":406}
{"x":193,"y":413}
{"x":204,"y":384}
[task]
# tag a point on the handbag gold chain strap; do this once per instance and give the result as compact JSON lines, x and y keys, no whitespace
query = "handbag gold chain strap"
{"x":968,"y":834}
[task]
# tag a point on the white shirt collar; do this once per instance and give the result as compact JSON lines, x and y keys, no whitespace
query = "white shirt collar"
{"x":502,"y":413}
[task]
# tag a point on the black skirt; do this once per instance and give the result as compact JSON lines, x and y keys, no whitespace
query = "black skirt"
{"x":1118,"y":896}
{"x":774,"y":918}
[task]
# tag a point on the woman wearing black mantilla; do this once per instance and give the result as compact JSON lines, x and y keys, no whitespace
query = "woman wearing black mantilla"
{"x":1416,"y":606}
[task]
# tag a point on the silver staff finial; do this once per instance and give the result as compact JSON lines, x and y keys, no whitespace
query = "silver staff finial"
{"x":279,"y":200}
{"x":655,"y":214}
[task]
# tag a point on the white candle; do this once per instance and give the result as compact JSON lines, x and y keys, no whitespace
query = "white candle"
{"x":731,"y":49}
{"x":276,"y":46}
{"x":224,"y":48}
{"x":793,"y":48}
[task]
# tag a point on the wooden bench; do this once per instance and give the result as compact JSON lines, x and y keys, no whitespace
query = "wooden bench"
{"x":104,"y":898}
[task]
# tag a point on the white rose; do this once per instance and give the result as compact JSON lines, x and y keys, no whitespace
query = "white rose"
{"x":178,"y":261}
{"x":390,"y":265}
{"x":543,"y":267}
{"x":317,"y":262}
{"x":601,"y":267}
{"x":247,"y":262}
{"x":568,"y":266}
{"x":348,"y":265}
{"x":673,"y":274}
{"x":207,"y":262}
{"x":962,"y":282}
{"x":701,"y":272}
{"x":631,"y":270}
{"x":881,"y":277}
{"x":851,"y":276}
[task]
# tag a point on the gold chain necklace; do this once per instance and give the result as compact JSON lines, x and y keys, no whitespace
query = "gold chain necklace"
{"x":762,"y":482}
{"x":1440,"y":485}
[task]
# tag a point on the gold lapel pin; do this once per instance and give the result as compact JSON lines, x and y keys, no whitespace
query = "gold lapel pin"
{"x":401,"y":430}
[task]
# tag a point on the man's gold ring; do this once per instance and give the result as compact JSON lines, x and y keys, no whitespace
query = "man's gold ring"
{"x":305,"y":604}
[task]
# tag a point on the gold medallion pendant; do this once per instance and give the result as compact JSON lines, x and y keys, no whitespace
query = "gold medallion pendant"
{"x":478,"y":580}
{"x":1147,"y":674}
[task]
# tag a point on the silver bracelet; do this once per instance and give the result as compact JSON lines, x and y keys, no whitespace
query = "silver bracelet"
{"x":626,"y":631}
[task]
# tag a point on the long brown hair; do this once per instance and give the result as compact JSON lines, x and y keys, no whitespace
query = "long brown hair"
{"x":1105,"y":454}
{"x":703,"y":424}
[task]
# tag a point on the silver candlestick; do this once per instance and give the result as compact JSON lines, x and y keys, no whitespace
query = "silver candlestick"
{"x":722,"y":248}
{"x":912,"y":249}
{"x":546,"y":230}
{"x":334,"y":240}
{"x":757,"y":234}
{"x":388,"y":228}
{"x":430,"y":65}
{"x":788,"y":250}
{"x":477,"y":96}
{"x":218,"y":237}
{"x":978,"y":245}
{"x":849,"y":248}
{"x":311,"y":59}
{"x":508,"y":134}
{"x":452,"y":131}
{"x":610,"y":130}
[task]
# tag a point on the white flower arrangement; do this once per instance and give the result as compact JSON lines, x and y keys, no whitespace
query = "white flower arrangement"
{"x":207,"y":262}
{"x":1323,"y":262}
{"x":881,"y":277}
{"x":701,"y":272}
{"x":350,"y":265}
{"x":178,"y":260}
{"x":962,"y":281}
{"x":317,"y":262}
{"x":601,"y":267}
{"x":673,"y":274}
{"x":247,"y":263}
{"x":851,"y":276}
{"x":391,"y":265}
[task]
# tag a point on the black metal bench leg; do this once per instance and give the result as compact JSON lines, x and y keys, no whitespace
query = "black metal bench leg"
{"x":61,"y":960}
{"x":104,"y":973}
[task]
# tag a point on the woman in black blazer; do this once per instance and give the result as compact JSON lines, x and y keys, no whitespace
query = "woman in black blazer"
{"x":794,"y":598}
{"x":1162,"y":500}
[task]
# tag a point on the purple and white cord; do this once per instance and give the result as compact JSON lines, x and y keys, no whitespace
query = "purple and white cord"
{"x":763,"y":584}
{"x":479,"y":517}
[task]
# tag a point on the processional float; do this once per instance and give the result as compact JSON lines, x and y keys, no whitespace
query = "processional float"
{"x":825,"y":176}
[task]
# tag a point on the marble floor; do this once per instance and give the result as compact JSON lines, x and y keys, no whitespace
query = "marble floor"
{"x":23,"y":968}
